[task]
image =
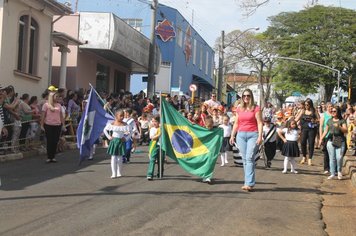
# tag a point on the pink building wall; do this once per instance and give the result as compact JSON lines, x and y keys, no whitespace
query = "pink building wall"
{"x":81,"y":64}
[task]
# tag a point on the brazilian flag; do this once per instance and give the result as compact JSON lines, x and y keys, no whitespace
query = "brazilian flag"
{"x":195,"y":148}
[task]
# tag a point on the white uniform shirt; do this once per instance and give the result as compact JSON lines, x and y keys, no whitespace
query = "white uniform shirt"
{"x":265,"y":131}
{"x":292,"y":135}
{"x":227,"y":130}
{"x":117,"y":131}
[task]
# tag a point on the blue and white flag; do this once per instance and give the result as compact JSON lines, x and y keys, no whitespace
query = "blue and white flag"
{"x":91,"y":125}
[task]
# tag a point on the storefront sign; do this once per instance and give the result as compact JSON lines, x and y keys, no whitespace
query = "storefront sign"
{"x":165,"y":30}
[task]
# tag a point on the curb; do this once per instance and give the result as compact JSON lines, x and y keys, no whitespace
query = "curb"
{"x":41,"y":150}
{"x":350,"y":168}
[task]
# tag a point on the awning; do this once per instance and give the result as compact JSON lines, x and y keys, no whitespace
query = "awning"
{"x":112,"y":38}
{"x":202,"y":81}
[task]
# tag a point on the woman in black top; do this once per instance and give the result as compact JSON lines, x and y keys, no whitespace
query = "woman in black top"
{"x":308,"y":119}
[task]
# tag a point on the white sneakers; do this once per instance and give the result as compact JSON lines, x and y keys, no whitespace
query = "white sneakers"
{"x":331,"y":177}
{"x":339,"y":176}
{"x":292,"y":171}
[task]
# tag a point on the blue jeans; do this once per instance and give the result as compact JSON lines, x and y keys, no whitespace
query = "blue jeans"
{"x":335,"y":156}
{"x":246,"y":142}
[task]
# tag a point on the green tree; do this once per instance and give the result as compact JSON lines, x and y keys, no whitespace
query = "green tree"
{"x":325,"y":35}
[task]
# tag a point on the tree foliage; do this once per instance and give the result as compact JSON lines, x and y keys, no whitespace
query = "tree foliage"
{"x":325,"y":35}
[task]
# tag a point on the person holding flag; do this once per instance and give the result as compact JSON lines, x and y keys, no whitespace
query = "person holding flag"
{"x":154,"y":149}
{"x":248,"y":126}
{"x":193,"y":147}
{"x":91,"y":125}
{"x":117,"y":147}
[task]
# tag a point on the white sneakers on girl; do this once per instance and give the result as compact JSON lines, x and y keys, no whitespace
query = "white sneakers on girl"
{"x":331,"y":177}
{"x":339,"y":175}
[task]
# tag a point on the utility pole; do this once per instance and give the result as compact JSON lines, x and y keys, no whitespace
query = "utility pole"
{"x":151,"y":60}
{"x":221,"y":66}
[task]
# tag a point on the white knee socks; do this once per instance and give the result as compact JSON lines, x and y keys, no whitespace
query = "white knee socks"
{"x":285,"y":164}
{"x":115,"y":166}
{"x":223,"y":157}
{"x":292,"y":165}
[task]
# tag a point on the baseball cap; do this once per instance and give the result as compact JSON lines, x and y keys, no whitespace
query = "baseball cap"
{"x":52,"y":88}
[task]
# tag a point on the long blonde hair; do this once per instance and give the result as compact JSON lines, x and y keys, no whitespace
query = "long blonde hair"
{"x":51,"y":102}
{"x":251,"y":103}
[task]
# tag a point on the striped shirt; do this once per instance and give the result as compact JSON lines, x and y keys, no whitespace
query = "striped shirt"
{"x":2,"y":114}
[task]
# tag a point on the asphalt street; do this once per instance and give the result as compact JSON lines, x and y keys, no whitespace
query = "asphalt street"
{"x":66,"y":199}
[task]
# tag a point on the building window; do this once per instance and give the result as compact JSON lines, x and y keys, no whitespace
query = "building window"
{"x":194,"y":51}
{"x":179,"y":37}
{"x":27,"y":45}
{"x":206,"y":62}
{"x":102,"y":77}
{"x":201,"y":57}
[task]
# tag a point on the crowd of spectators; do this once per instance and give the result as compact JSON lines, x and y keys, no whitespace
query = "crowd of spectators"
{"x":21,"y":115}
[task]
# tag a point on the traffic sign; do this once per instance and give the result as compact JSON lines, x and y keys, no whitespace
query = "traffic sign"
{"x":192,"y":87}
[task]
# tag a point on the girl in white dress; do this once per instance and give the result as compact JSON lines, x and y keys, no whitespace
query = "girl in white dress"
{"x":225,"y":147}
{"x":290,"y":150}
{"x":118,"y":133}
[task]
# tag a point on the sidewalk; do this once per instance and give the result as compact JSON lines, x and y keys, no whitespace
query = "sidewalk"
{"x":349,"y":168}
{"x":338,"y":209}
{"x":41,"y":150}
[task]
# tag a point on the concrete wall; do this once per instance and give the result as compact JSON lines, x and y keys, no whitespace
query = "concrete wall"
{"x":10,"y":14}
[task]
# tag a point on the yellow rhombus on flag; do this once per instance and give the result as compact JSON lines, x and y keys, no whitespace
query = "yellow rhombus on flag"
{"x":195,"y":148}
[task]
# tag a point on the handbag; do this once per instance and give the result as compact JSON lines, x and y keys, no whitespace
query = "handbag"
{"x":337,"y":141}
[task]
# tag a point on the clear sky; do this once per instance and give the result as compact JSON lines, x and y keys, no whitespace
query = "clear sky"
{"x":208,"y":17}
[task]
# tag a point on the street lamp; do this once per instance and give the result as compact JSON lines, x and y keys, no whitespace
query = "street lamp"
{"x":222,"y":46}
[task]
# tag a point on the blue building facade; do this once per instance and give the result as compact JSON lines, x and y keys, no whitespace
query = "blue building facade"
{"x":185,"y":56}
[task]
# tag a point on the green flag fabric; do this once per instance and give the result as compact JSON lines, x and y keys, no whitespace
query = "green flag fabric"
{"x":195,"y":148}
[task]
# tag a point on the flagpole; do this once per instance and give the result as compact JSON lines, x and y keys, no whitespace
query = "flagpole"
{"x":160,"y":137}
{"x":102,"y":100}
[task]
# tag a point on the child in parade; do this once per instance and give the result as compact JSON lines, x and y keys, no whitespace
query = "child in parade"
{"x":209,"y":124}
{"x":221,"y":113}
{"x":290,"y":151}
{"x":203,"y":115}
{"x":216,"y":118}
{"x":136,"y":136}
{"x":131,"y":123}
{"x":280,"y":124}
{"x":190,"y":117}
{"x":225,"y":145}
{"x":154,"y":149}
{"x":120,"y":134}
{"x":270,"y":137}
{"x":144,"y":126}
